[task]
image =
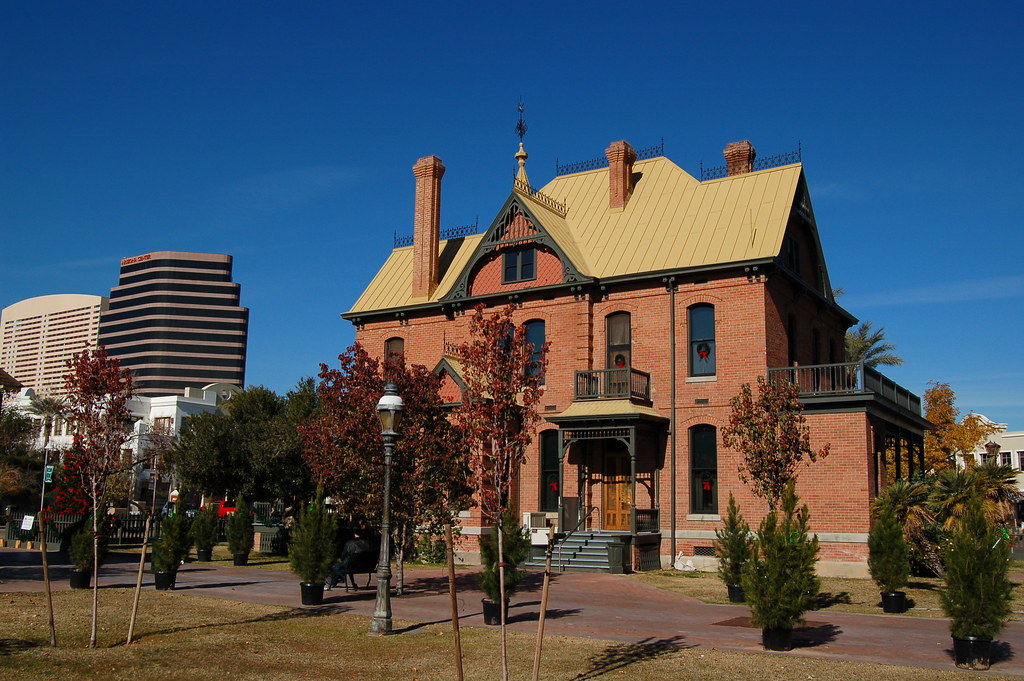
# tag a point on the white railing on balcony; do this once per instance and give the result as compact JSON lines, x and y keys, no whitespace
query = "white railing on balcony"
{"x":613,"y":383}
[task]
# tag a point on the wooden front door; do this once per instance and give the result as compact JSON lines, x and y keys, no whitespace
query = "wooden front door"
{"x":615,"y":495}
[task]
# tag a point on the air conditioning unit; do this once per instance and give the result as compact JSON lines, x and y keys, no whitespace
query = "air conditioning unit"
{"x":537,"y":524}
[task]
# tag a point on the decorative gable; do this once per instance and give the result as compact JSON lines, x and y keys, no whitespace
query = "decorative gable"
{"x":517,"y":251}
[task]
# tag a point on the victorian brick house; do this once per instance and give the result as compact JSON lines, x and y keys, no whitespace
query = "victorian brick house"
{"x":660,"y":295}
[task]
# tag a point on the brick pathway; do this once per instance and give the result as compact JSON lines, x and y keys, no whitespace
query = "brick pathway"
{"x":580,"y":604}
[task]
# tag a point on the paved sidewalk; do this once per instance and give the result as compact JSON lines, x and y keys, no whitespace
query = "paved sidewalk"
{"x":588,"y":605}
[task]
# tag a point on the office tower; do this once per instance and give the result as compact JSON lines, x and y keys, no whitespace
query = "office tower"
{"x":39,"y":336}
{"x":174,"y":320}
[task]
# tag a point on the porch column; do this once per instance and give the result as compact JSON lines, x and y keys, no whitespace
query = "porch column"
{"x":561,"y":480}
{"x":632,"y":480}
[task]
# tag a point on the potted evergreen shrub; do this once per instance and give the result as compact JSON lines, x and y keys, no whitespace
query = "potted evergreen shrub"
{"x":515,"y":549}
{"x":889,"y":560}
{"x":204,"y":534}
{"x":312,"y":549}
{"x":80,"y":551}
{"x":779,"y":579}
{"x":733,"y":547}
{"x":240,"y":534}
{"x":977,"y":594}
{"x":171,"y":549}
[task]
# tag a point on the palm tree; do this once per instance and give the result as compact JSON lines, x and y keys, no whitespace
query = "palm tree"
{"x":998,"y":484}
{"x":48,"y":409}
{"x":869,"y":346}
{"x":908,"y":501}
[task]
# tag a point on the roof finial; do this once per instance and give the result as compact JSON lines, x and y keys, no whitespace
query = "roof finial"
{"x":521,"y":155}
{"x":521,"y":125}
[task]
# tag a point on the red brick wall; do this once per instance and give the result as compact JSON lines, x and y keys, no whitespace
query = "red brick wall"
{"x":750,"y":318}
{"x":487,"y":278}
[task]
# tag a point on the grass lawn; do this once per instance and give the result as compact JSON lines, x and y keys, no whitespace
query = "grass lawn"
{"x":188,"y":637}
{"x":839,"y":595}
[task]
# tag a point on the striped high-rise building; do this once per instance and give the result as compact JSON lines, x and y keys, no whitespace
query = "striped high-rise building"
{"x":174,"y":320}
{"x":39,"y":335}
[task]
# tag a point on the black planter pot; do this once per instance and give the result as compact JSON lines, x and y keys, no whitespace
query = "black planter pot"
{"x":241,"y":558}
{"x":492,"y":613}
{"x":204,"y":555}
{"x":777,"y":638}
{"x":164,"y":579}
{"x":312,"y":594}
{"x":81,"y":579}
{"x":971,"y":652}
{"x":894,"y":601}
{"x":736,"y":594}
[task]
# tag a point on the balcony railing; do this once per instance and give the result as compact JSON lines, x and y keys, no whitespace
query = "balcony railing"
{"x":850,"y":378}
{"x":648,"y":520}
{"x":613,"y":383}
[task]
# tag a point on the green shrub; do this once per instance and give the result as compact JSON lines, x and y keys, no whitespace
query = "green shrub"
{"x":175,"y":541}
{"x":239,"y":530}
{"x":888,"y":553}
{"x":977,"y":594}
{"x":431,"y":550}
{"x":313,"y":547}
{"x":515,"y":550}
{"x":779,"y":580}
{"x":733,"y":545}
{"x":204,"y":529}
{"x":81,"y":547}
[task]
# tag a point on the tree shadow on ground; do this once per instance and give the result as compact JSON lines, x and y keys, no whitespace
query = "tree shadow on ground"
{"x":284,"y":615}
{"x":621,"y":655}
{"x":9,"y":646}
{"x":924,"y":586}
{"x":534,"y":615}
{"x":815,"y":634}
{"x":826,"y":599}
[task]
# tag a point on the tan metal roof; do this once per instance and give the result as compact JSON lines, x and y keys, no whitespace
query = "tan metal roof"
{"x":584,"y":409}
{"x":672,"y":221}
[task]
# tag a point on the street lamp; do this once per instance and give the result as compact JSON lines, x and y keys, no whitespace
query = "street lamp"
{"x":389,"y":410}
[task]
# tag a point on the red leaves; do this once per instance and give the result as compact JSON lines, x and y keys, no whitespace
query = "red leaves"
{"x":498,"y":413}
{"x":771,"y":434}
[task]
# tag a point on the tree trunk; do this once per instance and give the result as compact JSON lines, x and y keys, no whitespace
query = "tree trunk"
{"x":543,"y":604}
{"x":138,"y":579}
{"x":95,"y":566}
{"x":399,"y":544}
{"x":449,"y":541}
{"x":46,"y":580}
{"x":501,"y":586}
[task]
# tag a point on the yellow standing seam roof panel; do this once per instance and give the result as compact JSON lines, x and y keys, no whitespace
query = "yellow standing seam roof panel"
{"x":671,"y":221}
{"x":607,"y":408}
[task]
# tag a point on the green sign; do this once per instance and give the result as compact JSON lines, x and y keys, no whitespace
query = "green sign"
{"x":48,"y":475}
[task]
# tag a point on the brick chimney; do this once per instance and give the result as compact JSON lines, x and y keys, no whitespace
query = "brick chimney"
{"x":426,"y":231}
{"x":739,"y":157}
{"x":621,"y":158}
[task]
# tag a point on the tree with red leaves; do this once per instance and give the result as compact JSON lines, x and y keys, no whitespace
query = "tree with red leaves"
{"x":345,"y":451}
{"x":97,"y":404}
{"x":504,"y":377}
{"x":770,"y":432}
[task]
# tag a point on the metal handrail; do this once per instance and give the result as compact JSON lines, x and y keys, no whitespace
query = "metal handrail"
{"x":561,"y":542}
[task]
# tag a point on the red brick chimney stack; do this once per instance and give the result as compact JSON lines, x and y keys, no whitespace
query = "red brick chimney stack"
{"x":621,"y":158}
{"x":739,"y":157}
{"x":426,"y":234}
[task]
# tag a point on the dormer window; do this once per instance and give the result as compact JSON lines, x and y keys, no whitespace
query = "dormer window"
{"x":520,"y":265}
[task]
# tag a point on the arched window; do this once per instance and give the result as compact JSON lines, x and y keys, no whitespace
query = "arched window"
{"x":535,"y":337}
{"x":549,"y":470}
{"x":393,"y":347}
{"x":703,"y":469}
{"x":619,"y":341}
{"x":701,"y":326}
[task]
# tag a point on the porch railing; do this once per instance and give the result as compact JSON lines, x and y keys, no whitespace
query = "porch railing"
{"x":848,"y":378}
{"x":613,"y":383}
{"x":648,"y":520}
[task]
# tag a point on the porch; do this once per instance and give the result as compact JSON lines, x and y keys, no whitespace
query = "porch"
{"x":614,"y":441}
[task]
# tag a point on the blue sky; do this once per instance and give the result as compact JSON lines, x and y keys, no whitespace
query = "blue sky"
{"x":284,"y":134}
